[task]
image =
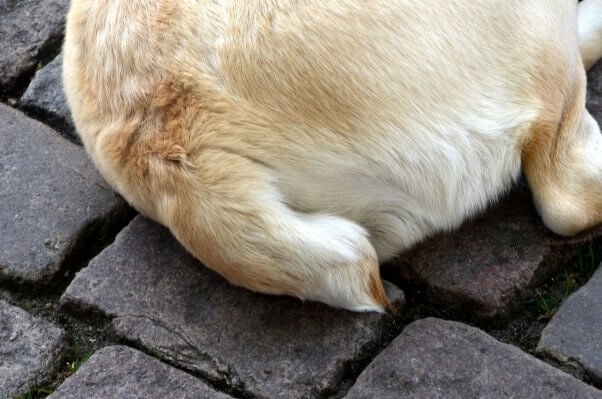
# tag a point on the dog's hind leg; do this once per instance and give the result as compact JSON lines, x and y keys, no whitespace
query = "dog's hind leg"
{"x":228,"y":213}
{"x":590,"y":31}
{"x":562,"y":157}
{"x":563,"y":165}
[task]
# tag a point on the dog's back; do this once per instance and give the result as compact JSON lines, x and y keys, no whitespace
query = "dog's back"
{"x":292,"y":145}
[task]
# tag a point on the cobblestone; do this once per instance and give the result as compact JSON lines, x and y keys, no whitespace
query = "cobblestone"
{"x":29,"y":30}
{"x":163,"y":300}
{"x":45,"y":99}
{"x":491,"y":263}
{"x":125,"y":373}
{"x":30,"y":350}
{"x":53,"y":200}
{"x":575,"y":332}
{"x":433,"y":358}
{"x":594,"y":91}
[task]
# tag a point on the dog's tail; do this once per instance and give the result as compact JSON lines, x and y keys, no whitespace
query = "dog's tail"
{"x":589,"y":14}
{"x":227,"y":211}
{"x":234,"y":219}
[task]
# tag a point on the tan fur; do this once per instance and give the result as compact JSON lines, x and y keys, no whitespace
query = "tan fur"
{"x":293,"y":145}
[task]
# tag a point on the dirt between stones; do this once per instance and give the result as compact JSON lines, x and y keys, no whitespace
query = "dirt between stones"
{"x":87,"y":333}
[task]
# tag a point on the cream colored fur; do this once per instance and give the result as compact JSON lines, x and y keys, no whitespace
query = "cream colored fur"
{"x":293,"y":145}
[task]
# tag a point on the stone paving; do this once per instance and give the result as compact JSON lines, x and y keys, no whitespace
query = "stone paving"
{"x":433,"y":358}
{"x":173,"y":329}
{"x":30,"y":31}
{"x":30,"y":351}
{"x":162,"y":300}
{"x":122,"y":372}
{"x":45,"y":98}
{"x":575,"y":332}
{"x":52,"y":200}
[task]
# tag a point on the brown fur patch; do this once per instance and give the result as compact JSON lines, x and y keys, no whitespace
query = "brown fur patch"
{"x":377,"y":292}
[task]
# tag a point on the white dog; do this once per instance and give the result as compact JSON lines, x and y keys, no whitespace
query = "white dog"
{"x":292,"y":145}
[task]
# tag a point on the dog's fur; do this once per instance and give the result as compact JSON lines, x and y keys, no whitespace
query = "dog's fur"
{"x":291,"y":145}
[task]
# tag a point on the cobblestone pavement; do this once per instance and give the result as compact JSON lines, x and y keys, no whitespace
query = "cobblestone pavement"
{"x":84,"y":281}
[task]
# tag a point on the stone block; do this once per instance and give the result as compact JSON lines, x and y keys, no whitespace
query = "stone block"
{"x":163,"y":300}
{"x":433,"y":358}
{"x":46,"y":100}
{"x":30,"y":351}
{"x":30,"y":30}
{"x":575,"y":332}
{"x":53,"y":203}
{"x":125,"y":373}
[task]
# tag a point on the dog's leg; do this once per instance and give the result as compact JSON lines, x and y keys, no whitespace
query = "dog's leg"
{"x":563,"y":164}
{"x":590,"y":31}
{"x":229,"y":214}
{"x":562,"y":157}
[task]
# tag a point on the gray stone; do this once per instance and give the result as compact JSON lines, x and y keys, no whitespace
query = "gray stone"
{"x":594,"y":91}
{"x":53,"y":203}
{"x":125,"y":373}
{"x":163,"y":300}
{"x":433,"y":358}
{"x":575,"y":332}
{"x":46,"y":100}
{"x":30,"y":350}
{"x":29,"y":31}
{"x":487,"y":267}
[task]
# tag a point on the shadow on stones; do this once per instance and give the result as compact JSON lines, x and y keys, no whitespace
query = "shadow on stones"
{"x":82,"y":338}
{"x":352,"y":369}
{"x":11,"y":93}
{"x":85,"y":334}
{"x":523,"y":324}
{"x":91,"y":240}
{"x":60,"y":125}
{"x":88,"y":331}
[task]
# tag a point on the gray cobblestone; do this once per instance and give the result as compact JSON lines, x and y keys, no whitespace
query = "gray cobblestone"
{"x":575,"y":332}
{"x":50,"y":198}
{"x":30,"y":350}
{"x":163,"y":300}
{"x":29,"y":30}
{"x":125,"y":373}
{"x":45,"y":98}
{"x":433,"y":358}
{"x":489,"y":266}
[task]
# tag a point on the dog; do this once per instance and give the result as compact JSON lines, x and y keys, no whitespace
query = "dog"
{"x":293,"y":145}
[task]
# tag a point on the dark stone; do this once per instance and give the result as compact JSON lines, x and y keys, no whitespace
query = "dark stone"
{"x":486,"y":268}
{"x":433,"y":358}
{"x":30,"y":350}
{"x":30,"y":31}
{"x":594,"y":91}
{"x":46,"y":100}
{"x":125,"y":373}
{"x":575,"y":333}
{"x":163,"y":300}
{"x":53,"y":202}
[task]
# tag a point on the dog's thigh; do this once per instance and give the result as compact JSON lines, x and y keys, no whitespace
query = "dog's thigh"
{"x":563,"y":164}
